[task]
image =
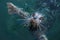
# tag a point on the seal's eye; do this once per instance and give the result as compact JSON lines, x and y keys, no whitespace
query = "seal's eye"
{"x":41,"y":18}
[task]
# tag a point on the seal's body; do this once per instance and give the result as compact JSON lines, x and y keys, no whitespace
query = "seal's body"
{"x":34,"y":21}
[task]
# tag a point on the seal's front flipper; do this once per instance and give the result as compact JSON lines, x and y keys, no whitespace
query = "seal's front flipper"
{"x":12,"y":8}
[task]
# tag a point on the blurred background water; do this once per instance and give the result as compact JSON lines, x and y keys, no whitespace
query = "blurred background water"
{"x":11,"y":30}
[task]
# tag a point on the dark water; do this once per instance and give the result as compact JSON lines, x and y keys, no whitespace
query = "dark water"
{"x":10,"y":30}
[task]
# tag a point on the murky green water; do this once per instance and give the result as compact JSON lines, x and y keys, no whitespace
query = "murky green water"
{"x":10,"y":30}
